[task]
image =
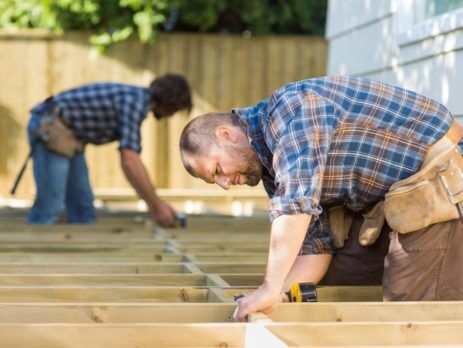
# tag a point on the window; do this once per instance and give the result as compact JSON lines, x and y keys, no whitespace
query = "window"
{"x":424,"y":9}
{"x":419,"y":20}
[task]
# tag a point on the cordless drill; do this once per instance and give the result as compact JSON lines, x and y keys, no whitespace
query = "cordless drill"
{"x":299,"y":292}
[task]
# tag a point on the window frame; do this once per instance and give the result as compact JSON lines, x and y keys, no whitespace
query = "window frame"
{"x":409,"y":32}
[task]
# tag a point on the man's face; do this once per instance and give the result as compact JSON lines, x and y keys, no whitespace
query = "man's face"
{"x":228,"y":165}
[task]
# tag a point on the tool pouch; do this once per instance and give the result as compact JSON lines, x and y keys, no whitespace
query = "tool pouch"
{"x":56,"y":136}
{"x":372,"y":225}
{"x":340,"y":219}
{"x":429,"y":196}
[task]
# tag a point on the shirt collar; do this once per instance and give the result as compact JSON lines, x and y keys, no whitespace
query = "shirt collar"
{"x":254,"y":119}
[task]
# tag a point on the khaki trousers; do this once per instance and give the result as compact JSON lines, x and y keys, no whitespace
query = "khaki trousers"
{"x":425,"y":265}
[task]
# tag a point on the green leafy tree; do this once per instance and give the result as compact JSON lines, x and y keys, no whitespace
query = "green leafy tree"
{"x":112,"y":21}
{"x":256,"y":16}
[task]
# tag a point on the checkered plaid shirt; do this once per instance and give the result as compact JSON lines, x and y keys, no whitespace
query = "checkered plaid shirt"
{"x":103,"y":112}
{"x":338,"y":140}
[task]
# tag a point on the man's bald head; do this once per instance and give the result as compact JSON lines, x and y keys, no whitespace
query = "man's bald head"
{"x":198,"y":136}
{"x":215,"y":148}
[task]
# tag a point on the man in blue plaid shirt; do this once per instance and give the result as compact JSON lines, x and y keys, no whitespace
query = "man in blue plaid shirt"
{"x":100,"y":113}
{"x":322,"y":143}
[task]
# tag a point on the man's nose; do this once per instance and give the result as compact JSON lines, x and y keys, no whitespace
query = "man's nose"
{"x":223,"y":182}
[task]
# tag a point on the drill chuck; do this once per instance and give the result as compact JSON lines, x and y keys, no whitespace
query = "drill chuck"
{"x":302,"y":292}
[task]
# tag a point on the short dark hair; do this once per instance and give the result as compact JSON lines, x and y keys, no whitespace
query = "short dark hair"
{"x":172,"y":92}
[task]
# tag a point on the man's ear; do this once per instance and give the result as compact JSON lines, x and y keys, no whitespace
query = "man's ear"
{"x":225,"y":134}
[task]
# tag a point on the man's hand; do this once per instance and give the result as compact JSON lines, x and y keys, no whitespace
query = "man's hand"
{"x":163,"y":214}
{"x":264,"y":299}
{"x":286,"y":237}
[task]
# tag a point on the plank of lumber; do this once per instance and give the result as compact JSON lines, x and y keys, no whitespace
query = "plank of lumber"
{"x":140,"y":237}
{"x":89,"y":268}
{"x":257,"y":336}
{"x":243,"y":279}
{"x":5,"y":251}
{"x":79,"y":246}
{"x":231,"y":268}
{"x":368,"y":312}
{"x":116,"y":313}
{"x":230,"y":257}
{"x":85,"y":258}
{"x":122,"y":335}
{"x":92,"y":294}
{"x":216,"y":295}
{"x":369,"y":334}
{"x":217,"y":236}
{"x":221,"y":312}
{"x":95,"y":229}
{"x":103,"y":280}
{"x":228,"y":247}
{"x":349,"y":293}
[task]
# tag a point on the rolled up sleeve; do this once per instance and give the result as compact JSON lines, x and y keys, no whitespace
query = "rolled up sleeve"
{"x":303,"y":127}
{"x":130,"y":117}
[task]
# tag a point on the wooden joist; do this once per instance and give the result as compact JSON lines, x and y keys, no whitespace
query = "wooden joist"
{"x":98,"y":294}
{"x":102,"y":279}
{"x":368,"y":312}
{"x":90,"y":258}
{"x":322,"y":312}
{"x":116,"y":313}
{"x":122,"y":335}
{"x":128,"y":283}
{"x":231,"y":335}
{"x":89,"y":268}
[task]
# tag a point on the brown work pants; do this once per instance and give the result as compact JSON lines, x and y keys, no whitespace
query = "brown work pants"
{"x":426,"y":264}
{"x":422,"y":265}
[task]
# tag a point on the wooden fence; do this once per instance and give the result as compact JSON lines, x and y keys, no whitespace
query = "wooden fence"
{"x":224,"y":71}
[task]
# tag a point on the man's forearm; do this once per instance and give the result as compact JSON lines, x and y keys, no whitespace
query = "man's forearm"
{"x":308,"y":268}
{"x":138,"y":177}
{"x":287,"y":236}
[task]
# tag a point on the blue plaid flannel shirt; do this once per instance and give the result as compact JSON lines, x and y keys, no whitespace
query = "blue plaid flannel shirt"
{"x":103,"y":112}
{"x":338,"y":140}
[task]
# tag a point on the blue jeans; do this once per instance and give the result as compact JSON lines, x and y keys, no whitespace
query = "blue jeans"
{"x":61,"y":182}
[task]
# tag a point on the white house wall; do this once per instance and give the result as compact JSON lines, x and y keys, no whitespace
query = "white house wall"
{"x":345,"y":15}
{"x":362,"y":51}
{"x":363,"y":41}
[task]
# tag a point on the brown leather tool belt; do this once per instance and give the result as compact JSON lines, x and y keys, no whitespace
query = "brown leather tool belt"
{"x":433,"y":194}
{"x":56,"y":134}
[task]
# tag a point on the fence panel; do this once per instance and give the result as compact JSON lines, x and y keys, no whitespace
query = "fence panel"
{"x":224,"y":71}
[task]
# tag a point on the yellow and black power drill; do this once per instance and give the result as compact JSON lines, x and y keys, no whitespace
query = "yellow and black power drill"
{"x":299,"y":292}
{"x":302,"y":292}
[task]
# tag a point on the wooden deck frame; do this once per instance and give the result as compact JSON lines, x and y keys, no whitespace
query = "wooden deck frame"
{"x":323,"y":312}
{"x":134,"y":285}
{"x":231,"y":335}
